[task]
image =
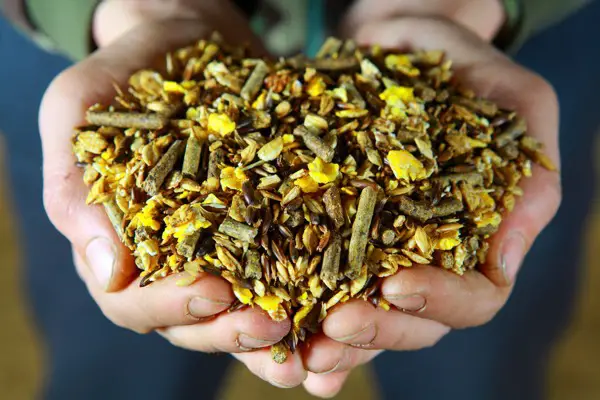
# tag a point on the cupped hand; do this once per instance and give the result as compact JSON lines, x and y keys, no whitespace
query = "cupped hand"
{"x":428,"y":300}
{"x":190,"y":317}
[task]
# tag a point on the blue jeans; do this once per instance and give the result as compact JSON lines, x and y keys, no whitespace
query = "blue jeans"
{"x":89,"y":358}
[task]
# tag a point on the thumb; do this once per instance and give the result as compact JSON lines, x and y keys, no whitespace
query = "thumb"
{"x":108,"y":263}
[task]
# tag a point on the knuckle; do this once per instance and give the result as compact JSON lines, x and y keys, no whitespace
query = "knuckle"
{"x":59,"y":203}
{"x":434,"y":339}
{"x":555,"y":196}
{"x":544,"y":91}
{"x":120,"y":319}
{"x":488,"y":313}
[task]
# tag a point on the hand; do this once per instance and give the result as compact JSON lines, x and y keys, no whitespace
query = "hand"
{"x":430,"y":301}
{"x":483,"y":17}
{"x":187,"y":316}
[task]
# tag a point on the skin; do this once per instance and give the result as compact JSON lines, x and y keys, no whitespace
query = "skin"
{"x":189,"y":317}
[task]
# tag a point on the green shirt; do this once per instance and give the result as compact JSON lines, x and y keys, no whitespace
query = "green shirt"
{"x":65,"y":25}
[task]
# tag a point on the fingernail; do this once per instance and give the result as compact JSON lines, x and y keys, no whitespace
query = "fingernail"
{"x":281,"y":385}
{"x":100,"y":256}
{"x":364,"y":337}
{"x":511,"y":256}
{"x":201,"y":307}
{"x":247,"y":343}
{"x":409,"y":303}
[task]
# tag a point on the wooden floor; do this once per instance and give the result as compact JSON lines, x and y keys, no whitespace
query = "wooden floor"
{"x":575,"y":367}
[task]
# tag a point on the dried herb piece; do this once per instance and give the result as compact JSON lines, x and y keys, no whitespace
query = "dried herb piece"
{"x":360,"y":232}
{"x":331,"y":262}
{"x":191,"y":158}
{"x":333,"y":205}
{"x":330,"y":48}
{"x":115,"y":215}
{"x":424,"y":212}
{"x":255,"y":81}
{"x":187,"y":246}
{"x":157,"y":175}
{"x":238,"y":230}
{"x":215,"y":159}
{"x":126,"y":119}
{"x":315,"y":144}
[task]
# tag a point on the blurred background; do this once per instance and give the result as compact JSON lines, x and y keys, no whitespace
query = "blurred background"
{"x":568,"y":55}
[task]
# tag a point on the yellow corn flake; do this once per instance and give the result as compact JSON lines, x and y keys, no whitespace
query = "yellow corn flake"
{"x":323,"y":172}
{"x":192,"y":113}
{"x":211,"y":184}
{"x":209,"y":259}
{"x":185,"y":221}
{"x":302,"y":313}
{"x":212,"y":199}
{"x":243,"y":295}
{"x":221,"y":124}
{"x":148,"y":216}
{"x":271,"y":150}
{"x":474,"y":143}
{"x":188,"y":84}
{"x":376,"y":50}
{"x":287,"y":139}
{"x":448,"y":240}
{"x":260,"y":102}
{"x":307,"y":184}
{"x":384,"y":304}
{"x":447,"y":243}
{"x":172,"y":261}
{"x":232,"y":178}
{"x":405,"y":166}
{"x":490,"y":218}
{"x":303,"y":296}
{"x":402,"y":63}
{"x":268,"y":303}
{"x":395,"y":112}
{"x":487,"y":200}
{"x":391,"y":185}
{"x":316,"y":87}
{"x":397,"y":96}
{"x":173,"y":87}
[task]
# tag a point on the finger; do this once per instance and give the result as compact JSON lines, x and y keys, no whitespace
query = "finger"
{"x":484,"y":18}
{"x":359,"y":324}
{"x":114,"y":18}
{"x":325,"y":386}
{"x":162,"y":303}
{"x":325,"y":356}
{"x":62,"y":108}
{"x":434,"y":293}
{"x":287,"y":375}
{"x":491,"y":74}
{"x":241,"y":331}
